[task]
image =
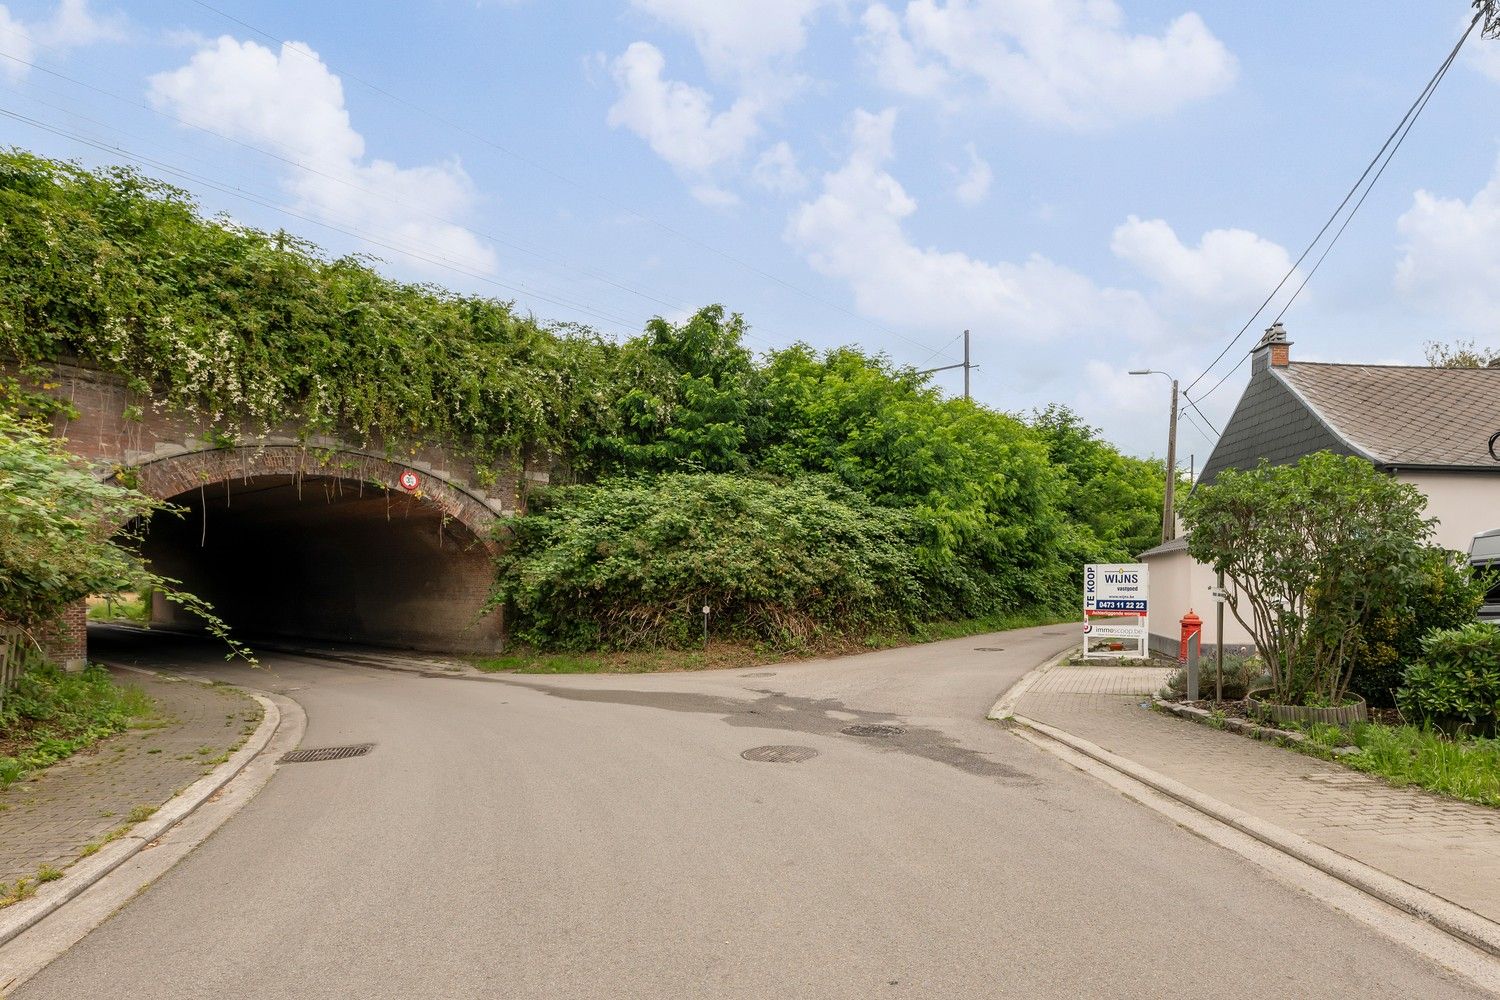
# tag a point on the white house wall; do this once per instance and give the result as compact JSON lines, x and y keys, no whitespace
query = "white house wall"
{"x":1464,"y":504}
{"x":1179,"y":583}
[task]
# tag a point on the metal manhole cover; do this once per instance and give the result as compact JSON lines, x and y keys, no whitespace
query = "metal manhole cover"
{"x":870,"y":730}
{"x":780,"y":755}
{"x":989,"y":649}
{"x":325,"y":753}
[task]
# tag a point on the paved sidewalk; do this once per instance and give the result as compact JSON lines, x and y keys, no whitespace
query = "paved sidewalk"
{"x":53,"y":815}
{"x":1447,"y":847}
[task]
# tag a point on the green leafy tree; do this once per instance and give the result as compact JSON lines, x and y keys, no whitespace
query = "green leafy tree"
{"x":1310,"y":551}
{"x":67,"y":535}
{"x":1114,"y":501}
{"x":694,"y":405}
{"x":1460,"y":354}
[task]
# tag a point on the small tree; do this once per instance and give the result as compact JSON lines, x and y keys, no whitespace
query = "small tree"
{"x":1309,"y":551}
{"x":64,"y":535}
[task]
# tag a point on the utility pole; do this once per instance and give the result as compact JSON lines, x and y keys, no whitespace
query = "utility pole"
{"x":964,"y":365}
{"x":1168,"y":515}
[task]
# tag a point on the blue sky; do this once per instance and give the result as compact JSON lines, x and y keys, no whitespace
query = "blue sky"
{"x":1088,"y":185}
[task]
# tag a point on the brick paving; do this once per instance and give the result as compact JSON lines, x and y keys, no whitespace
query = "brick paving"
{"x":1448,"y":847}
{"x":50,"y":817}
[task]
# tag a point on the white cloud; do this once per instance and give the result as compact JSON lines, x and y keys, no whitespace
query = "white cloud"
{"x":1449,"y":267}
{"x":1064,"y":62}
{"x":72,"y":25}
{"x":714,"y":197}
{"x":974,"y":185}
{"x":16,"y":41}
{"x":678,"y":120}
{"x":853,"y":231}
{"x":290,"y":99}
{"x":1484,"y":57}
{"x":777,"y":170}
{"x":1229,"y":269}
{"x":739,"y":38}
{"x":897,"y":63}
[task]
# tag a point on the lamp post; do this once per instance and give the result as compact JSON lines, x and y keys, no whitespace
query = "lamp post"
{"x":1168,"y":515}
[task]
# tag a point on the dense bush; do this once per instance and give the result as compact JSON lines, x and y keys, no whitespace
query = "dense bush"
{"x":1445,"y":594}
{"x":1309,"y":551}
{"x":1456,"y":683}
{"x":631,"y":562}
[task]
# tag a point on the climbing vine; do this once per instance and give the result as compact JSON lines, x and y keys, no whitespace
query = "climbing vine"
{"x":238,"y":326}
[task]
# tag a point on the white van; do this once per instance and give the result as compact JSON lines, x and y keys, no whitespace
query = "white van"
{"x":1484,"y":554}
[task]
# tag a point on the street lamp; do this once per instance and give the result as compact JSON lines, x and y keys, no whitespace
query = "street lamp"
{"x":1168,"y":516}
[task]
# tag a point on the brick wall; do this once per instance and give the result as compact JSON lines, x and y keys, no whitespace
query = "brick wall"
{"x":65,"y":640}
{"x":333,"y":574}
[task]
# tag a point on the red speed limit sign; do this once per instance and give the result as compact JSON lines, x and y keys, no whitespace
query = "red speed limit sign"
{"x":409,"y":480}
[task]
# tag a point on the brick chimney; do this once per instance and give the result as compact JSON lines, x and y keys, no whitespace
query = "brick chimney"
{"x":1274,"y":349}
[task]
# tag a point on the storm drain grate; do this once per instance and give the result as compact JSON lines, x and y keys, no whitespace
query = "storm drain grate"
{"x":314,"y":754}
{"x":780,"y":755}
{"x":870,"y":730}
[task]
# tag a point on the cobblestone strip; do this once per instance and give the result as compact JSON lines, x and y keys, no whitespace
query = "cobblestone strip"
{"x":1447,"y":847}
{"x":56,"y":815}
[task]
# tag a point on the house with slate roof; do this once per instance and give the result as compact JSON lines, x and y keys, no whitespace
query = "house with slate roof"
{"x":1430,"y":427}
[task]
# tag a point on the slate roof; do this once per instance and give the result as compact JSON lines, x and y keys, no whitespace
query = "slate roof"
{"x":1406,"y":416}
{"x":1397,"y":416}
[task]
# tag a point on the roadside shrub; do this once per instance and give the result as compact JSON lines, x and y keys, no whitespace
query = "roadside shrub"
{"x":1456,"y":684}
{"x":1242,"y":674}
{"x":51,"y":713}
{"x":630,"y":563}
{"x":1445,"y":593}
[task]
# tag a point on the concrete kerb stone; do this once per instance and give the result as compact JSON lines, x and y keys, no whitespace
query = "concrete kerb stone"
{"x":1447,"y":916}
{"x":1245,"y":727}
{"x":84,"y":873}
{"x":1005,"y":705}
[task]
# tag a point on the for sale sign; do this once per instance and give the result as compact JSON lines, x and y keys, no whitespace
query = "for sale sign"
{"x":1116,"y":603}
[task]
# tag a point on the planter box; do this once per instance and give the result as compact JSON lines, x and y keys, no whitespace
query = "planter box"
{"x":1343,"y":715}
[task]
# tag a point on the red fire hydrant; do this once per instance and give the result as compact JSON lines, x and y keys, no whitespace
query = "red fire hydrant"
{"x":1191,"y":626}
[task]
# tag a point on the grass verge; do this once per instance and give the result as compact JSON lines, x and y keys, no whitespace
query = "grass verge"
{"x":727,"y":655}
{"x":52,"y":714}
{"x":1466,"y":768}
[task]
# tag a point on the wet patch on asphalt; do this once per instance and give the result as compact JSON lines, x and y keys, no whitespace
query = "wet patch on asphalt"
{"x":818,"y":716}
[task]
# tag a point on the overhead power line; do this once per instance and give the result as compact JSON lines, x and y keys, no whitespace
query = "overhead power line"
{"x":554,"y":173}
{"x":1376,"y":166}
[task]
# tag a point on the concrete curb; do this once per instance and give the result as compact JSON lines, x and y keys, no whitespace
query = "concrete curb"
{"x":84,"y":873}
{"x":1254,"y":730}
{"x":1004,"y":706}
{"x":1461,"y":923}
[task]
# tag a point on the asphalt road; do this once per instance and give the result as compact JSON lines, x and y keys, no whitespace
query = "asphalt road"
{"x":603,"y":837}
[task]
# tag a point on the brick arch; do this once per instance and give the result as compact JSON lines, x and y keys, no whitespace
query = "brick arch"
{"x":173,"y":475}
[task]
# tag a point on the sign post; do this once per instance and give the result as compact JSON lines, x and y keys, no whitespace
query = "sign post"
{"x":1115,"y":607}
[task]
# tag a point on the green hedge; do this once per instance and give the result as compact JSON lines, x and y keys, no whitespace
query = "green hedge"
{"x":1456,"y":683}
{"x":629,"y":563}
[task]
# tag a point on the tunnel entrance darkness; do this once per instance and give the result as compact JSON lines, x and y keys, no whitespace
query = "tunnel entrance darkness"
{"x":321,"y":557}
